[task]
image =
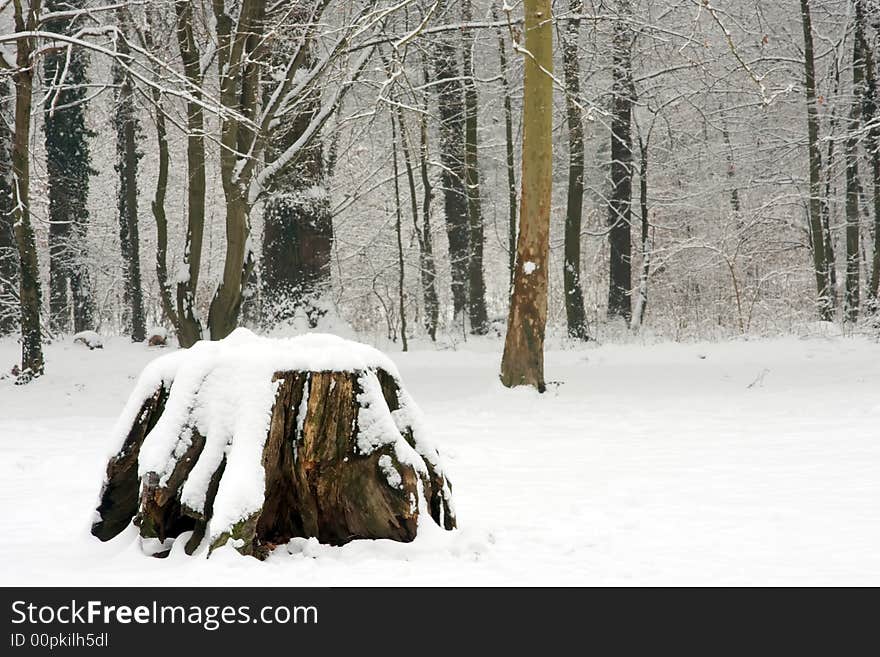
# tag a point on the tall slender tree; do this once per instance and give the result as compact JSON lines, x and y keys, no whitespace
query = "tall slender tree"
{"x":128,"y":154}
{"x":157,"y":205}
{"x":398,"y":230}
{"x":646,"y":251}
{"x":508,"y":151}
{"x":830,"y":179}
{"x":814,"y":210}
{"x":8,"y":254}
{"x":523,"y":359}
{"x":574,"y":295}
{"x":189,"y":326}
{"x":852,"y":298}
{"x":451,"y":111}
{"x":872,"y":144}
{"x":426,"y":241}
{"x":68,"y":166}
{"x":477,"y":312}
{"x":26,"y":21}
{"x":427,"y":267}
{"x":620,"y":197}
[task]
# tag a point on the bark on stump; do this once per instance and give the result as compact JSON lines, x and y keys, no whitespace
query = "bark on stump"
{"x":320,"y":481}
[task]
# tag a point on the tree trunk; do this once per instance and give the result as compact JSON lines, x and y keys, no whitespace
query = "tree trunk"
{"x":427,"y":271}
{"x":828,"y":165}
{"x":127,"y":157}
{"x":523,"y":359}
{"x":574,"y":296}
{"x":239,"y":55}
{"x":450,"y":101}
{"x":645,"y":273}
{"x":189,"y":327}
{"x":872,"y":143}
{"x":853,"y":256}
{"x":477,"y":313}
{"x":428,"y":265}
{"x":9,"y":307}
{"x":731,"y":170}
{"x":68,"y":168}
{"x":509,"y":153}
{"x":335,"y":465}
{"x":29,"y":269}
{"x":226,"y":304}
{"x":620,"y":198}
{"x":157,"y":206}
{"x":398,"y":229}
{"x":820,"y":262}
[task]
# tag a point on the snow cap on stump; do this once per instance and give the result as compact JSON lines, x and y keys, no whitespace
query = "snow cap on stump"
{"x":253,"y":441}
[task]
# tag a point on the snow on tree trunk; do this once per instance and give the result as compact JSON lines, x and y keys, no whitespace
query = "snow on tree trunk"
{"x":251,"y":442}
{"x":523,"y":360}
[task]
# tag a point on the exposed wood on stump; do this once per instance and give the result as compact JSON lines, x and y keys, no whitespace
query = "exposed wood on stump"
{"x":119,"y":498}
{"x":318,"y":480}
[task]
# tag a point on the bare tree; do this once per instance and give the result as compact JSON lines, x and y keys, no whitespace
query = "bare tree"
{"x":128,"y":133}
{"x":69,"y":167}
{"x":853,"y":255}
{"x":820,"y":262}
{"x":26,"y":17}
{"x":574,"y":295}
{"x":477,"y":313}
{"x":523,"y":359}
{"x":450,"y":107}
{"x":872,"y":144}
{"x":9,"y":308}
{"x":510,"y":163}
{"x":620,"y":197}
{"x":237,"y":43}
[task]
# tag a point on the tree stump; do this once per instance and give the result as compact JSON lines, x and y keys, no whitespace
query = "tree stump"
{"x":252,"y":442}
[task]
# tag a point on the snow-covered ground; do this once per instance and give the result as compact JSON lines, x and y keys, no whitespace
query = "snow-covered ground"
{"x":750,"y":462}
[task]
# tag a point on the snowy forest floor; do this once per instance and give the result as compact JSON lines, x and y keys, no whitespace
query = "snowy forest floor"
{"x":745,"y":462}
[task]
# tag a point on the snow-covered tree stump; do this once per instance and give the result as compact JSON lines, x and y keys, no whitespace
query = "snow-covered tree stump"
{"x":252,"y":442}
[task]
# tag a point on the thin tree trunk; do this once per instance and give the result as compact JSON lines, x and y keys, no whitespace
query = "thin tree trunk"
{"x":414,"y":211}
{"x":450,"y":102}
{"x":828,"y":237}
{"x":30,"y":293}
{"x":574,"y":296}
{"x":645,"y":273}
{"x":127,"y":157}
{"x":427,"y":272}
{"x":8,"y":251}
{"x":853,"y":275}
{"x":619,"y":216}
{"x":523,"y":359}
{"x":158,"y":204}
{"x":189,"y":327}
{"x":477,"y":313}
{"x":872,"y":143}
{"x":398,"y":230}
{"x":68,"y":168}
{"x":509,"y":152}
{"x":238,"y":63}
{"x":820,"y":262}
{"x":429,"y":268}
